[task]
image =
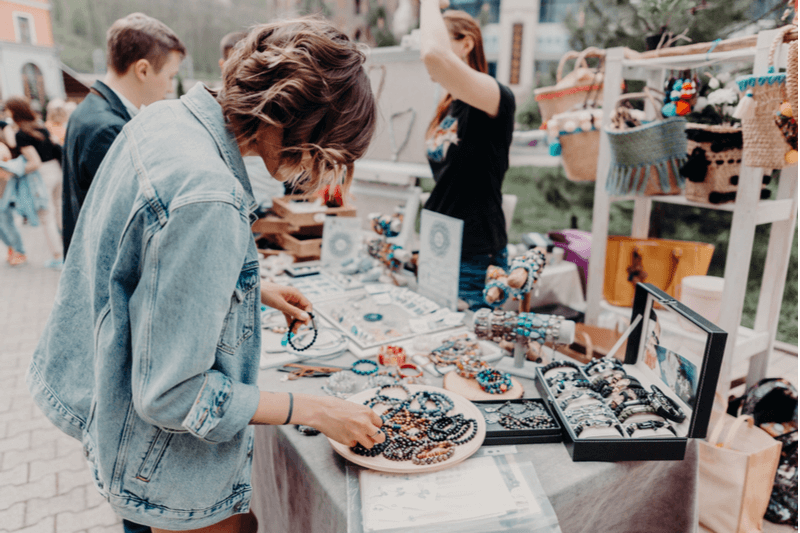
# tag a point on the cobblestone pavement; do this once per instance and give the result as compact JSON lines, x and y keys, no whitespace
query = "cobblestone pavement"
{"x":45,"y":486}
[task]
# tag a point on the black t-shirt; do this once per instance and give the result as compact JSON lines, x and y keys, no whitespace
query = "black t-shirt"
{"x":468,"y":154}
{"x":44,"y":147}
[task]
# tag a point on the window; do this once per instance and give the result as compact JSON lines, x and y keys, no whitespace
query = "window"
{"x":485,"y":11}
{"x":33,"y":83}
{"x":556,"y":10}
{"x":24,"y":28}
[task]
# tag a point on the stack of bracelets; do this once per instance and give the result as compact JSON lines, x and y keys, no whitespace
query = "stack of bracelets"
{"x":532,"y":262}
{"x":418,"y":427}
{"x":602,"y":395}
{"x":526,"y":414}
{"x":453,"y":349}
{"x":387,"y":225}
{"x":385,"y":252}
{"x":511,"y":326}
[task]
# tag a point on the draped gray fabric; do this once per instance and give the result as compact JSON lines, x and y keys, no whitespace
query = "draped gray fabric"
{"x":299,"y":481}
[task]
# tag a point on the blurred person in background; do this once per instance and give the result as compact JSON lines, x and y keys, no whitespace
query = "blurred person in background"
{"x":32,"y":193}
{"x":143,"y":57}
{"x":467,"y":141}
{"x":149,"y":356}
{"x":9,"y":233}
{"x":57,"y":117}
{"x":265,"y":187}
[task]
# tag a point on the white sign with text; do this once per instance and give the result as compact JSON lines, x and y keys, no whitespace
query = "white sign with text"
{"x":439,"y":258}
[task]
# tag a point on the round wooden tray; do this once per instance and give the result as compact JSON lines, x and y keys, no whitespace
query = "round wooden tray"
{"x":460,"y":405}
{"x":469,"y":388}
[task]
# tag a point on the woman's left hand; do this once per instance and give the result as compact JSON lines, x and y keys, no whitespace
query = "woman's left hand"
{"x":287,"y":300}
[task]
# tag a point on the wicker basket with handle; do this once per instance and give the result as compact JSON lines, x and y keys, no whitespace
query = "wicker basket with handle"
{"x":764,"y":144}
{"x":574,"y":89}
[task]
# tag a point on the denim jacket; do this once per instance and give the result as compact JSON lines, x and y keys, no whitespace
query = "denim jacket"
{"x":150,"y":354}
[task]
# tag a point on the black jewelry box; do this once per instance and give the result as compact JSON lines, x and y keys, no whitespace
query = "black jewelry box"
{"x":496,"y":434}
{"x":670,"y":347}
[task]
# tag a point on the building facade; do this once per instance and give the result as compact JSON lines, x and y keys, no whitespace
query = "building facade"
{"x":29,"y":63}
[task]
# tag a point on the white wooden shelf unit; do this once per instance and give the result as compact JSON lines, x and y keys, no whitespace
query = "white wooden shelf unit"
{"x":744,"y":345}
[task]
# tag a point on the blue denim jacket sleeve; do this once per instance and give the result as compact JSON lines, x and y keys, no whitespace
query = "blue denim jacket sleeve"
{"x":189,"y":273}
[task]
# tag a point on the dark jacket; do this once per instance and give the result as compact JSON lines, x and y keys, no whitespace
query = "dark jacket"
{"x":91,"y":130}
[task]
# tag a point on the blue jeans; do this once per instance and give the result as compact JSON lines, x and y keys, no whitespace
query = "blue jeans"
{"x":472,"y":278}
{"x":131,"y":527}
{"x":8,"y":231}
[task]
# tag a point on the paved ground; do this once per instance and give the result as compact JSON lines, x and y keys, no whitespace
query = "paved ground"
{"x":45,"y":486}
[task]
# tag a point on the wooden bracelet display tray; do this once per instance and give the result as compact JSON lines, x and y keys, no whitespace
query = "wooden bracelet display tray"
{"x":460,"y":406}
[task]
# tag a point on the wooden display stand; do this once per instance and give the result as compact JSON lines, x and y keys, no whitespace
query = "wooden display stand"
{"x":298,"y":234}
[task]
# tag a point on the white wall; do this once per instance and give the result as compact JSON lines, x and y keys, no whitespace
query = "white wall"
{"x":14,"y":56}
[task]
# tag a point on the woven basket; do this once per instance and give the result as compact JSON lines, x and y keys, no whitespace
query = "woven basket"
{"x":645,"y":160}
{"x":791,"y":77}
{"x":579,"y":152}
{"x":764,"y":144}
{"x":573,"y":90}
{"x":577,"y":137}
{"x":715,"y":158}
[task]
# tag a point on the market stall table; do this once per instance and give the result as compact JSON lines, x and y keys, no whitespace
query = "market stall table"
{"x":299,"y":481}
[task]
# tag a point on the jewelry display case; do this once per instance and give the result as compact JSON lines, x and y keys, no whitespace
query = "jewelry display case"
{"x":646,"y":406}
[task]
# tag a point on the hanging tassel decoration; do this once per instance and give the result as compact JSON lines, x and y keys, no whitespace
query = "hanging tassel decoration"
{"x":555,"y":149}
{"x":746,"y":107}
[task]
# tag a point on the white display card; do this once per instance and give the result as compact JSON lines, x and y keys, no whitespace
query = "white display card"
{"x":341,"y":240}
{"x":439,"y":258}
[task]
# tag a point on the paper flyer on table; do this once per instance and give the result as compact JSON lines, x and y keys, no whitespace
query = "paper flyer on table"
{"x":472,"y":490}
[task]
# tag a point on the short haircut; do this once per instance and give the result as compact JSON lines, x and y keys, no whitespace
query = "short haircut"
{"x":138,"y":36}
{"x":307,"y":77}
{"x":229,"y":41}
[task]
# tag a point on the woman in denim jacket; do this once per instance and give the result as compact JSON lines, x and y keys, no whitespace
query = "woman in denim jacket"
{"x":150,"y":355}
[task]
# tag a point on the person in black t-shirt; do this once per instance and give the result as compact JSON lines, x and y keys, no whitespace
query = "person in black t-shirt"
{"x":42,"y":156}
{"x":467,"y":141}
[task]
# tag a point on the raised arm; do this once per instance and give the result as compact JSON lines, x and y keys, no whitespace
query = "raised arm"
{"x":447,"y":68}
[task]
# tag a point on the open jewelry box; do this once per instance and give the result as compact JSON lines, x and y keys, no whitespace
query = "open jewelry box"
{"x":670,"y":349}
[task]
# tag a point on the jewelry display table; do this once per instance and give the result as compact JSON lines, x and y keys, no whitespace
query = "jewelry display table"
{"x":299,"y":482}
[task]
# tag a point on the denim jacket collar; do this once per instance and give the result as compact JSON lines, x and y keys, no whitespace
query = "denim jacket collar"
{"x":209,"y":113}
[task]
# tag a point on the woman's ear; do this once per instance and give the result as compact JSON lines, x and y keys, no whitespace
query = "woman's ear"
{"x":469,"y":44}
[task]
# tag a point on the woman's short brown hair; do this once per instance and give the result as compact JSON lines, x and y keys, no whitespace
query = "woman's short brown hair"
{"x":138,"y":36}
{"x":304,"y":76}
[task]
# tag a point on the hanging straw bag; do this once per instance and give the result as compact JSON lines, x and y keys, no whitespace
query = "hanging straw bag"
{"x":570,"y":91}
{"x":576,"y":138}
{"x":764,"y":144}
{"x":736,"y":475}
{"x":715,"y":159}
{"x":645,"y":159}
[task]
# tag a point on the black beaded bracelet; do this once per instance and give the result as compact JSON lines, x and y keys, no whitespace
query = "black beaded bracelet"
{"x":559,"y":364}
{"x":665,"y":406}
{"x":291,"y":334}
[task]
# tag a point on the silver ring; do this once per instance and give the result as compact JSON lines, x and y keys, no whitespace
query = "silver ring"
{"x":376,"y":433}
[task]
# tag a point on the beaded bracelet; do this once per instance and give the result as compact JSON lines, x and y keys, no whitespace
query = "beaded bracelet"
{"x":468,"y":367}
{"x":360,"y":372}
{"x":391,"y":355}
{"x":290,"y":334}
{"x":560,"y":364}
{"x":633,"y":427}
{"x":558,"y":376}
{"x":607,"y":365}
{"x":568,"y":386}
{"x":390,"y":400}
{"x":665,"y":406}
{"x":433,"y":453}
{"x":340,"y":384}
{"x":586,"y":424}
{"x":601,"y":360}
{"x":493,"y":381}
{"x":409,"y":366}
{"x":635,"y":410}
{"x":584,"y":394}
{"x":620,"y":397}
{"x":482,"y":326}
{"x":533,"y":262}
{"x":504,"y":290}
